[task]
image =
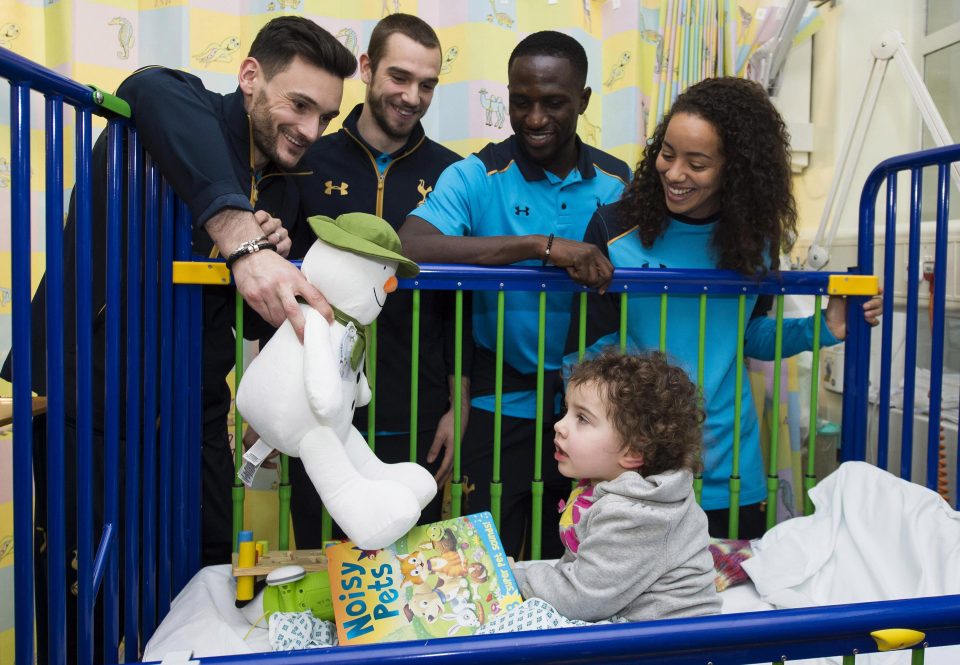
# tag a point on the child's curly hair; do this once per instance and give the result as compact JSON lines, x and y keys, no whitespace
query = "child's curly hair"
{"x":654,"y":407}
{"x":758,"y":214}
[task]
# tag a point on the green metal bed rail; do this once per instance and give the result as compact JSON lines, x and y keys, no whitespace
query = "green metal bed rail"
{"x":703,"y":284}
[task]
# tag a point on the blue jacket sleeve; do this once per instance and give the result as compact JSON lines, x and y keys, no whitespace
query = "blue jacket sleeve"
{"x":182,"y":129}
{"x":760,"y":336}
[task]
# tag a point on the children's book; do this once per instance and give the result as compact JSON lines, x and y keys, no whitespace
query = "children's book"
{"x":440,"y":580}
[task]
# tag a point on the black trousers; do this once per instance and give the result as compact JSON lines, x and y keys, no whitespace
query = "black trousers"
{"x":516,"y":472}
{"x":217,"y":496}
{"x":306,"y":507}
{"x":753,"y":521}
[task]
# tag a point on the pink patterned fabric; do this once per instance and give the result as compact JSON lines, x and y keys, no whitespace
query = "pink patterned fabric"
{"x":728,"y":555}
{"x":580,"y":499}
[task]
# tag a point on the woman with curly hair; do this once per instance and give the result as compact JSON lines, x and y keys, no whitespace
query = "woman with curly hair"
{"x":713,"y":190}
{"x":635,"y":541}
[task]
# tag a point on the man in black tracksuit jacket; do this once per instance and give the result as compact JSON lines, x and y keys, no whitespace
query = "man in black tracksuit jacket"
{"x":201,"y":142}
{"x":381,"y":162}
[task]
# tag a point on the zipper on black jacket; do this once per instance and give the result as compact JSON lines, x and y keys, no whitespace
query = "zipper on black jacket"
{"x":381,"y":177}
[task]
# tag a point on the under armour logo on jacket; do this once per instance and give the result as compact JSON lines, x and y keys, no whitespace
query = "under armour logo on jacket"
{"x":524,"y":210}
{"x":328,"y":188}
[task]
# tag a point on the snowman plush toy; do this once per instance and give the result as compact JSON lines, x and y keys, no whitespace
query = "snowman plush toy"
{"x":300,"y":398}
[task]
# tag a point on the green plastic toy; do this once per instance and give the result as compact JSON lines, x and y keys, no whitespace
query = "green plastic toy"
{"x":309,"y":592}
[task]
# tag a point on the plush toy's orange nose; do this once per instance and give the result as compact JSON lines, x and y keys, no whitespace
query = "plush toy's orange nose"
{"x":390,"y":285}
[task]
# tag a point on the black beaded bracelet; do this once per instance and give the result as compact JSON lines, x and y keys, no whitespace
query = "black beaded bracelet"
{"x":249,"y":247}
{"x":546,"y":252}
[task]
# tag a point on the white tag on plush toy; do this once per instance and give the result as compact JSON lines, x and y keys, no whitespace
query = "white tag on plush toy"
{"x":247,"y":472}
{"x":258,"y":452}
{"x":252,"y":459}
{"x":346,"y":349}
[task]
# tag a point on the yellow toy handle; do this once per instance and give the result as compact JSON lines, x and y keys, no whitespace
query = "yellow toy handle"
{"x":247,"y":556}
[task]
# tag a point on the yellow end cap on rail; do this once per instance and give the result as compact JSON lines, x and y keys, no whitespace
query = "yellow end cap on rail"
{"x":853,"y":285}
{"x":200,"y":272}
{"x":892,"y":639}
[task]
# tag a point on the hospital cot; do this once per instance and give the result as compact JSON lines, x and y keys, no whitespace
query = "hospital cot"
{"x":155,"y":524}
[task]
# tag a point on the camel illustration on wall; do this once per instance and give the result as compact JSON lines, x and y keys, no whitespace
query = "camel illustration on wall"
{"x":494,"y":107}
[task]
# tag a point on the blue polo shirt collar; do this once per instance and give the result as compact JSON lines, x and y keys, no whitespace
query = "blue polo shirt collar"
{"x":532,"y":171}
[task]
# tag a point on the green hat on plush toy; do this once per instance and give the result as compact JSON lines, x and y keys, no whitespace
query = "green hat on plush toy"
{"x":366,"y":234}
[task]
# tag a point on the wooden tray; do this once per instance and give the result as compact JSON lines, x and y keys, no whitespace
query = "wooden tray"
{"x":310,"y":560}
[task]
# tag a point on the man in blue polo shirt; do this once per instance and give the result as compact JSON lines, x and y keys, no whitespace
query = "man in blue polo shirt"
{"x":524,"y":201}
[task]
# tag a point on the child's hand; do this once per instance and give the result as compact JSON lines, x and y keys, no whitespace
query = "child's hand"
{"x":836,"y":314}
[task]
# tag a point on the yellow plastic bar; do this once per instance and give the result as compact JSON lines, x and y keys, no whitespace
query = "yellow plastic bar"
{"x":200,"y":272}
{"x":893,"y":639}
{"x":853,"y":285}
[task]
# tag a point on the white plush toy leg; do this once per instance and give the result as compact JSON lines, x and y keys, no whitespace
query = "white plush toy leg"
{"x":373,"y":513}
{"x":414,"y":476}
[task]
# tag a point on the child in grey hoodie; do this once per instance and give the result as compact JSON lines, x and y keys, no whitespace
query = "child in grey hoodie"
{"x":636,"y":542}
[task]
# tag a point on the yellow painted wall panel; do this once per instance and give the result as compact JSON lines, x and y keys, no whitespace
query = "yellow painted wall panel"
{"x":6,"y":647}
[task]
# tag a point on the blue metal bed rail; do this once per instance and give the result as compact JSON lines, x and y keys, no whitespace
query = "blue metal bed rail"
{"x":856,"y":401}
{"x":161,"y":534}
{"x":735,"y":639}
{"x":439,"y":276}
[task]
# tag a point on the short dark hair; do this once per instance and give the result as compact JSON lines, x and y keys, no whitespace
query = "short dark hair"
{"x":653,"y":405}
{"x":409,"y":26}
{"x":286,"y":37}
{"x":556,"y":44}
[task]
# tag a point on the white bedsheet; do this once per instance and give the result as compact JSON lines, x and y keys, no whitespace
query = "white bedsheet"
{"x":872,"y":537}
{"x":204,"y":619}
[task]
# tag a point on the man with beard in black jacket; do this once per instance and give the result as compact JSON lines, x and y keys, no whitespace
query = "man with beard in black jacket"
{"x":382,"y":162}
{"x":227,"y":157}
